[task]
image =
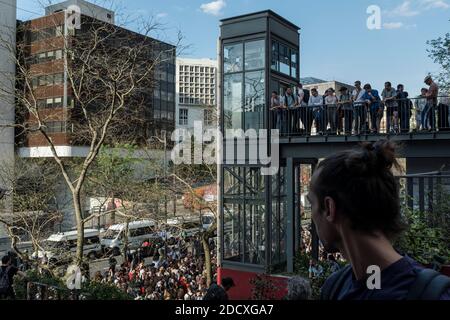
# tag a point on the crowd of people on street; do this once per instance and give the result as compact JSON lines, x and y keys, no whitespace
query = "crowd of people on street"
{"x":176,"y":273}
{"x":360,"y":111}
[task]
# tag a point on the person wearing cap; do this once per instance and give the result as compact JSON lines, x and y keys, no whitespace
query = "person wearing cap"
{"x":430,"y":108}
{"x":219,"y":292}
{"x":345,"y":104}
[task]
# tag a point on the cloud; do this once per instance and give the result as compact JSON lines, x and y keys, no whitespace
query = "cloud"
{"x":435,"y":4}
{"x":392,"y":25}
{"x":214,"y":8}
{"x":162,"y":15}
{"x":403,"y":10}
{"x":414,"y":8}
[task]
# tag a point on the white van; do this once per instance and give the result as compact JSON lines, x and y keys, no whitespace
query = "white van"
{"x":138,"y":232}
{"x":58,"y":245}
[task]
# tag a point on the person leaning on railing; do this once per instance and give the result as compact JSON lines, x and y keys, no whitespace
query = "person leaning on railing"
{"x":316,"y":103}
{"x":359,"y":108}
{"x":305,"y":113}
{"x":432,"y":95}
{"x":372,"y":98}
{"x":405,"y":106}
{"x":277,"y":114}
{"x":420,"y":105}
{"x":345,"y":104}
{"x":389,"y":100}
{"x":331,"y":104}
{"x":289,"y":102}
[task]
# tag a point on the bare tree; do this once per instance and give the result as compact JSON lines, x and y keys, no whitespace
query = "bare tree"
{"x":110,"y":75}
{"x":36,"y":211}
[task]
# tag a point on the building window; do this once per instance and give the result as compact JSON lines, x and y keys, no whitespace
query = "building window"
{"x":208,"y":117}
{"x":233,"y":101}
{"x":284,"y":59}
{"x":233,"y":56}
{"x":254,"y":100}
{"x":255,"y":55}
{"x":183,"y":121}
{"x":56,"y":127}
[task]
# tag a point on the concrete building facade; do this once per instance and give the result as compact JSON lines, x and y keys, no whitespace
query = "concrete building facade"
{"x":325,"y":85}
{"x":196,"y":93}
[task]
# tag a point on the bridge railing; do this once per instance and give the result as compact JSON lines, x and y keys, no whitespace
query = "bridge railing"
{"x":398,"y":116}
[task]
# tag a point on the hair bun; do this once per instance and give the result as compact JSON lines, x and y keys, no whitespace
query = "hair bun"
{"x":382,"y":154}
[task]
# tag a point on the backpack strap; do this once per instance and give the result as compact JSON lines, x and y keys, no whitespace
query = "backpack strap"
{"x":429,"y":285}
{"x":331,"y":291}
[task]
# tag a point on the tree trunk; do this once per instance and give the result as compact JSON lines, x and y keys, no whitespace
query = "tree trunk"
{"x":208,"y":266}
{"x":113,"y":213}
{"x":80,"y":227}
{"x":125,"y":240}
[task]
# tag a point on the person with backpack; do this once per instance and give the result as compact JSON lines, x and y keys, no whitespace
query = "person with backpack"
{"x":355,"y":204}
{"x":7,"y":273}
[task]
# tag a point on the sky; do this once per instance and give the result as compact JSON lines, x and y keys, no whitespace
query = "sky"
{"x":336,"y":43}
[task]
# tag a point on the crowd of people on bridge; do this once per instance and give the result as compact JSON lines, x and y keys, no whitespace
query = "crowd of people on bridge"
{"x":360,"y":111}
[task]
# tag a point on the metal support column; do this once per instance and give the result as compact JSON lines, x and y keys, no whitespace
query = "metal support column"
{"x":290,"y":190}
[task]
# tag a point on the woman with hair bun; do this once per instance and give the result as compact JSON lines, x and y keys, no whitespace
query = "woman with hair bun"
{"x":355,"y":203}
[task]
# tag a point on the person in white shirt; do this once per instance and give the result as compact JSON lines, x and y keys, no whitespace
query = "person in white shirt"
{"x":331,"y":104}
{"x":359,"y":107}
{"x":316,"y":102}
{"x":421,"y":103}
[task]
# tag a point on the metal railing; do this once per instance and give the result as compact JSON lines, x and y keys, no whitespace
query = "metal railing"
{"x":399,"y":116}
{"x":428,"y":193}
{"x":42,"y":291}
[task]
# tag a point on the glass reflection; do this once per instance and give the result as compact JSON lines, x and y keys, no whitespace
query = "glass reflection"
{"x":233,"y":58}
{"x":232,"y":104}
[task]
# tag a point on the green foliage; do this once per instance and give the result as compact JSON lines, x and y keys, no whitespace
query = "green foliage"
{"x":103,"y":291}
{"x":90,"y":291}
{"x":263,"y":288}
{"x":20,"y":284}
{"x":440,"y":53}
{"x":422,"y":241}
